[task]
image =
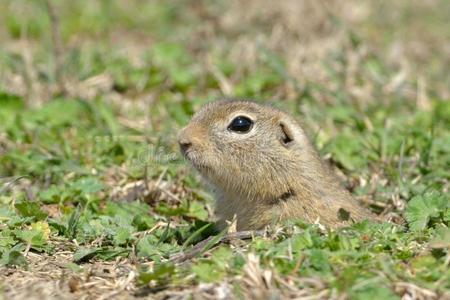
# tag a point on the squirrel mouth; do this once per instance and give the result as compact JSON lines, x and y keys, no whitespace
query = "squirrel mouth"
{"x":198,"y":163}
{"x":202,"y":168}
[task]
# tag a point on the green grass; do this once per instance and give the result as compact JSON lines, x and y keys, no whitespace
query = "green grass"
{"x":91,"y":173}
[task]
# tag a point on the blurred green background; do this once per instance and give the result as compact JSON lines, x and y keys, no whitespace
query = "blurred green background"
{"x":92,"y":94}
{"x":369,"y":79}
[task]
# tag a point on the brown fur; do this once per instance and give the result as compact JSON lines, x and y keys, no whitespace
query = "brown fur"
{"x":258,"y":177}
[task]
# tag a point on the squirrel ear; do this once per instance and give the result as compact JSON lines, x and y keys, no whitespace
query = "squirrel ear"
{"x":285,"y":134}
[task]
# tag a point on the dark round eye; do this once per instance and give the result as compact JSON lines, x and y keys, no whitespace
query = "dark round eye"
{"x":241,"y":124}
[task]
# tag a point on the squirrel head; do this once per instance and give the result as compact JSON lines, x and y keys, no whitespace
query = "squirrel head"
{"x":241,"y":146}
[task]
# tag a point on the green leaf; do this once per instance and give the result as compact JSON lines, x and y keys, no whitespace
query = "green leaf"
{"x":319,"y":260}
{"x":34,"y":237}
{"x":348,"y":151}
{"x":122,"y":236}
{"x":143,"y":221}
{"x":84,"y":254}
{"x":51,"y":195}
{"x":208,"y":272}
{"x":30,"y":209}
{"x":197,"y":210}
{"x":374,"y":292}
{"x":146,"y":247}
{"x":105,"y":253}
{"x":89,"y":185}
{"x":7,"y":240}
{"x":160,"y":274}
{"x":7,"y":213}
{"x":9,"y":106}
{"x":302,"y":241}
{"x":14,"y":257}
{"x":216,"y":268}
{"x":215,"y":239}
{"x":423,"y":207}
{"x":197,"y":233}
{"x":72,"y":224}
{"x":222,"y":257}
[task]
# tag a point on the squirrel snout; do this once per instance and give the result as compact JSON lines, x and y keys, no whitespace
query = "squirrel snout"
{"x":190,"y":138}
{"x":185,"y":144}
{"x":185,"y":139}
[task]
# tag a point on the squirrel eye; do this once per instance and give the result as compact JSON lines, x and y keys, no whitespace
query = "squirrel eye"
{"x":241,"y":124}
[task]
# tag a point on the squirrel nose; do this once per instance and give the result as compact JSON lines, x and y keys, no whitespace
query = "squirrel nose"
{"x":190,"y":137}
{"x":185,"y":144}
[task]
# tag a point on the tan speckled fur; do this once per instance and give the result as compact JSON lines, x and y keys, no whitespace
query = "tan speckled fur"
{"x":249,"y":173}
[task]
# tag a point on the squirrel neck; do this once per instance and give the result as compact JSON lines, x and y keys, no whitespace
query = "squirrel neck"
{"x":315,"y":181}
{"x":303,"y":177}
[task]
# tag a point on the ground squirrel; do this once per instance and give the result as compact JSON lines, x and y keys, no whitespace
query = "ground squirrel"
{"x":262,"y":167}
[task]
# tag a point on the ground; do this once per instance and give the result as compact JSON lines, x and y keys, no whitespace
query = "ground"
{"x":97,"y":203}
